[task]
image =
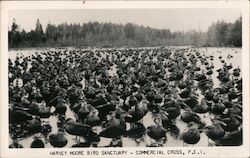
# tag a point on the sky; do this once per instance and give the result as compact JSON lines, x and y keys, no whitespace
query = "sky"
{"x":173,"y":19}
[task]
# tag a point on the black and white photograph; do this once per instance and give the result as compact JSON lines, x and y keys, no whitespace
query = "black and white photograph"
{"x":125,"y":77}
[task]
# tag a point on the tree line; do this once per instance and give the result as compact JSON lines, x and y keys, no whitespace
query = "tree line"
{"x":219,"y":34}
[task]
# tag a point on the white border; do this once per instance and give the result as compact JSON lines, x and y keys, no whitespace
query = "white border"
{"x":241,"y":151}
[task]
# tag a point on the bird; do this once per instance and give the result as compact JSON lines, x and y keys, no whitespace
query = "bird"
{"x":93,"y":118}
{"x":172,"y":108}
{"x":15,"y":144}
{"x":136,"y":114}
{"x":233,"y":138}
{"x":202,"y":107}
{"x":157,"y":131}
{"x":115,"y":127}
{"x":44,"y":111}
{"x":84,"y":111}
{"x":232,"y":122}
{"x":34,"y":125}
{"x":190,"y":116}
{"x":215,"y":132}
{"x":37,"y":143}
{"x":58,"y":139}
{"x":191,"y":135}
{"x":61,"y":108}
{"x":77,"y":129}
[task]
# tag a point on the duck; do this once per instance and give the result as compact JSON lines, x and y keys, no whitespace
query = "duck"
{"x":100,"y":99}
{"x":185,"y":93}
{"x":84,"y":111}
{"x":236,"y":72}
{"x":166,"y":121}
{"x":182,"y":85}
{"x":115,"y":127}
{"x":44,"y":111}
{"x":77,"y":129}
{"x":18,"y":116}
{"x":37,"y":143}
{"x":233,"y":138}
{"x":157,"y":131}
{"x":58,"y":139}
{"x":234,"y":109}
{"x":172,"y":108}
{"x":232,"y":94}
{"x":215,"y":132}
{"x":201,"y":108}
{"x":93,"y":118}
{"x":199,"y":77}
{"x":233,"y":122}
{"x":158,"y":99}
{"x":191,"y":101}
{"x":190,"y":116}
{"x":61,"y":108}
{"x":15,"y":144}
{"x":137,"y":132}
{"x":132,"y":101}
{"x":150,"y":96}
{"x":34,"y":125}
{"x":89,"y":93}
{"x":218,"y":108}
{"x":191,"y":135}
{"x":105,"y":109}
{"x":136,"y":114}
{"x":139,"y":95}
